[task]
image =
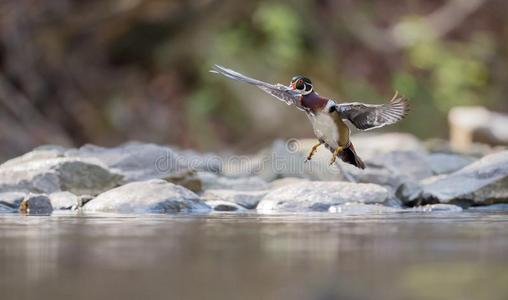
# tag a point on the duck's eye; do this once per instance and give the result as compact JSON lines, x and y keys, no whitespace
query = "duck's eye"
{"x":300,"y":85}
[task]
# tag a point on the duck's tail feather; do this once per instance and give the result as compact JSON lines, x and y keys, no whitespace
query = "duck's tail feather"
{"x":350,"y":156}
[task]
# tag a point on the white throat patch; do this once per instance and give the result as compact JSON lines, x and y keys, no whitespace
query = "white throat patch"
{"x":308,"y":92}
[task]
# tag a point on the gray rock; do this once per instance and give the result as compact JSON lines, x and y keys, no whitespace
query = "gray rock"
{"x":393,"y":170}
{"x":48,"y":175}
{"x":6,"y":209}
{"x":136,"y":161}
{"x":64,"y":200}
{"x":213,"y":181}
{"x":319,"y":196}
{"x":36,"y":204}
{"x":246,"y":199}
{"x":218,"y":205}
{"x":12,"y":199}
{"x":482,"y":182}
{"x":446,"y":163}
{"x":360,"y":209}
{"x":392,"y":159}
{"x":152,"y":196}
{"x":409,"y":191}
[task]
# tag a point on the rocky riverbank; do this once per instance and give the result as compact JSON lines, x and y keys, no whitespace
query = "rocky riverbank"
{"x":402,"y":174}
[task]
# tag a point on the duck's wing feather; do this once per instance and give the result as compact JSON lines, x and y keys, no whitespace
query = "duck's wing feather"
{"x":279,"y":91}
{"x":369,"y":116}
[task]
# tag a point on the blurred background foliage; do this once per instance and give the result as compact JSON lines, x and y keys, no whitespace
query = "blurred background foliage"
{"x":109,"y":71}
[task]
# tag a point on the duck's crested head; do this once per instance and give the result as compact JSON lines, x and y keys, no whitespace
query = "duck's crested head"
{"x":301,"y":84}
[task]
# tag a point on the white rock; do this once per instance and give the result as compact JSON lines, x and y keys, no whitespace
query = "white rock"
{"x":152,"y":196}
{"x":64,"y":200}
{"x":319,"y":196}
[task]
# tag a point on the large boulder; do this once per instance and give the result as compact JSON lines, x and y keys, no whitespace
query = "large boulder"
{"x":137,"y":161}
{"x":320,"y":196}
{"x":152,"y":196}
{"x":43,"y":172}
{"x":92,"y":169}
{"x":482,"y":182}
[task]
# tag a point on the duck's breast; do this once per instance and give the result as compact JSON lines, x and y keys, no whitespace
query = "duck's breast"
{"x":326,"y":129}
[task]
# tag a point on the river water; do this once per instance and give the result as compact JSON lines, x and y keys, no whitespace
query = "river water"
{"x":233,"y":256}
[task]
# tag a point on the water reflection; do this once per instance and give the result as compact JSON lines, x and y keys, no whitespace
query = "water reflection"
{"x":231,"y":256}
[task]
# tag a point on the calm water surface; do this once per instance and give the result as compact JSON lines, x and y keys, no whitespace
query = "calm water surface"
{"x":231,"y":256}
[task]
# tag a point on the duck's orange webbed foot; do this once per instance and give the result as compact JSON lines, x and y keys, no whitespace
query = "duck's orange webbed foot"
{"x":337,"y":151}
{"x":313,"y":151}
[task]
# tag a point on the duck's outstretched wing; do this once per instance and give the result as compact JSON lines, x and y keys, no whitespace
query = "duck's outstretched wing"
{"x":279,"y":91}
{"x":368,"y":116}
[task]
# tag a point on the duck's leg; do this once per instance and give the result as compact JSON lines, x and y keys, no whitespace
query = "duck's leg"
{"x":313,"y":151}
{"x":335,"y":153}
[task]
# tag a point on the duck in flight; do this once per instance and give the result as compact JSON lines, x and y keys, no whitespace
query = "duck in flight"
{"x":327,"y":117}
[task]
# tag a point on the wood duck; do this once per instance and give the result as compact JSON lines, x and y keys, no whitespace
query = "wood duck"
{"x":327,"y":117}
